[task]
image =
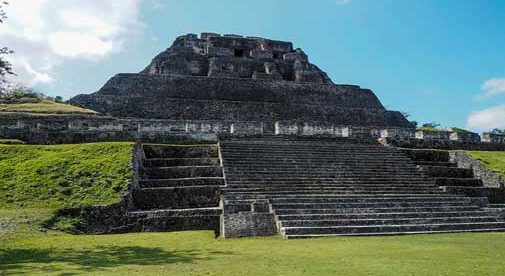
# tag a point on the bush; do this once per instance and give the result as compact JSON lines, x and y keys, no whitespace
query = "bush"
{"x":22,"y":94}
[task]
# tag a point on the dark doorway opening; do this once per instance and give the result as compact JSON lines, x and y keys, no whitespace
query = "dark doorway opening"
{"x":239,"y":53}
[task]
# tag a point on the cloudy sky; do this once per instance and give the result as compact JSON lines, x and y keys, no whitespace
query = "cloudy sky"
{"x":441,"y":61}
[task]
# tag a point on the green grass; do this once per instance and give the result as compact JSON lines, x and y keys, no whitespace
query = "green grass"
{"x":494,"y":160}
{"x":431,"y":129}
{"x":199,"y":253}
{"x":11,"y":142}
{"x":44,"y":107}
{"x":59,"y":176}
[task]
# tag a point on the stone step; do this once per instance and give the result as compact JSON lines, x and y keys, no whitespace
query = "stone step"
{"x":393,"y":229}
{"x":438,"y":164}
{"x":254,"y":197}
{"x":441,"y":171}
{"x":415,"y":209}
{"x":399,"y":215}
{"x":315,"y":169}
{"x":388,"y":221}
{"x":268,"y":194}
{"x":182,"y":182}
{"x":175,"y":151}
{"x":299,"y":200}
{"x":170,"y":213}
{"x":254,"y":185}
{"x":393,"y":204}
{"x":448,"y":181}
{"x":335,"y":182}
{"x":329,"y":190}
{"x":314,"y":158}
{"x":303,"y":175}
{"x":311,"y":152}
{"x":176,"y":198}
{"x":174,"y":220}
{"x":173,"y":162}
{"x":427,"y":155}
{"x":182,"y":172}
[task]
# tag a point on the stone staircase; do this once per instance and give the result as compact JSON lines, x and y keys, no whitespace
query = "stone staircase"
{"x":179,"y":189}
{"x":316,"y":186}
{"x":437,"y":165}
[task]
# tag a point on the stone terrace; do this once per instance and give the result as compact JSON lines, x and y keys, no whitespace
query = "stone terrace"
{"x":311,"y":187}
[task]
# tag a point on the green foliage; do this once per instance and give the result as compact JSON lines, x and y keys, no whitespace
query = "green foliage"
{"x":431,"y":125}
{"x":63,"y":175}
{"x":494,"y":160}
{"x":199,"y":253}
{"x":5,"y":66}
{"x":430,"y":129}
{"x":21,"y":94}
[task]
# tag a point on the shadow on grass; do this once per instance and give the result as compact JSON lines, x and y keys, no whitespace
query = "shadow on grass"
{"x":20,"y":261}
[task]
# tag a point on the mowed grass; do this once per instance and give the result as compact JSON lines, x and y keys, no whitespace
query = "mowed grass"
{"x":59,"y":176}
{"x":44,"y":107}
{"x":199,"y":253}
{"x":494,"y":160}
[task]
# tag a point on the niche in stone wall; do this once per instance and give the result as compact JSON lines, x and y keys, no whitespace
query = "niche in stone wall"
{"x":239,"y":52}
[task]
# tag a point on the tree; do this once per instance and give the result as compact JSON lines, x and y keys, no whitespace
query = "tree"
{"x":5,"y":66}
{"x":431,"y":125}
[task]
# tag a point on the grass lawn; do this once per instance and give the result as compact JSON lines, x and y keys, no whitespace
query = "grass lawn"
{"x":25,"y":252}
{"x":44,"y":107}
{"x":494,"y":160}
{"x":63,"y":175}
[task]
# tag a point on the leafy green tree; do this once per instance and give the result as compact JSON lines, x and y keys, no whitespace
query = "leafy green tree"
{"x":431,"y":125}
{"x":5,"y":66}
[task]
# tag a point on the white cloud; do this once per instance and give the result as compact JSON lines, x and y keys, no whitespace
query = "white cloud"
{"x":45,"y":33}
{"x":487,"y":119}
{"x":493,"y":87}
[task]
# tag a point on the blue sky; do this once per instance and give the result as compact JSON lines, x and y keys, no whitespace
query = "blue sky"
{"x":440,"y":61}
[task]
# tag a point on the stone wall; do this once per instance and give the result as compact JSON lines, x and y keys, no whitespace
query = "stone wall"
{"x":488,"y":177}
{"x":204,"y":98}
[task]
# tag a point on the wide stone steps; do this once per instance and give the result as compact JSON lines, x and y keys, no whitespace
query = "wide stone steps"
{"x":389,"y":221}
{"x":394,"y":204}
{"x":246,"y":197}
{"x":345,"y":187}
{"x":297,"y":211}
{"x":341,"y":199}
{"x":450,"y":181}
{"x":179,"y":189}
{"x":307,"y":232}
{"x":388,"y":215}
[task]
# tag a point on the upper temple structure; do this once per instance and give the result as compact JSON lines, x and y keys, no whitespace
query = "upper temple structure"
{"x":235,"y":78}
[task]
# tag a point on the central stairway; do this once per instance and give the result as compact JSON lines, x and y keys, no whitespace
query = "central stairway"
{"x":338,"y":186}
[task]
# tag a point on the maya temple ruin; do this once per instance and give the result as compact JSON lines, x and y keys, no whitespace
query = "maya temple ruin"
{"x":277,"y":149}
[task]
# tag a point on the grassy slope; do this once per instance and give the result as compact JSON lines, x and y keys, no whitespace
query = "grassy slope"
{"x":198,"y":253}
{"x":63,"y":175}
{"x":44,"y":107}
{"x":494,"y":160}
